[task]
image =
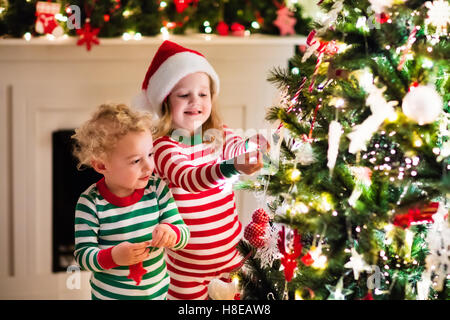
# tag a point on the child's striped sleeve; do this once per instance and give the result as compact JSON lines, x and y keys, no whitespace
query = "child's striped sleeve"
{"x":87,"y":253}
{"x":169,"y":214}
{"x":175,"y":166}
{"x":234,"y":145}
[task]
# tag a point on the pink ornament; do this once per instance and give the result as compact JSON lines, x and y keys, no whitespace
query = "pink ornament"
{"x":285,"y":21}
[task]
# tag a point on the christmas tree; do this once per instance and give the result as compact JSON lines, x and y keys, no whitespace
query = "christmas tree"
{"x":356,"y":189}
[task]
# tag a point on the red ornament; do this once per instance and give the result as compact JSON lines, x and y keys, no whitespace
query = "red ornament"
{"x":289,"y":259}
{"x":382,"y":18}
{"x":137,"y":271}
{"x":255,"y":231}
{"x":368,"y":296}
{"x":88,"y":36}
{"x":181,"y":5}
{"x":416,"y":216}
{"x":307,"y":259}
{"x":237,"y":29}
{"x":106,"y":17}
{"x":45,"y":18}
{"x":222,"y":28}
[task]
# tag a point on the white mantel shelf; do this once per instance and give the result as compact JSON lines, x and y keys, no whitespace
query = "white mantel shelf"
{"x":52,"y":85}
{"x":41,"y":48}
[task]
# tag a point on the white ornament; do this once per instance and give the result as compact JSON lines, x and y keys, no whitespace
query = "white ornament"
{"x":334,"y":135}
{"x":362,"y":180}
{"x":422,"y":104}
{"x":338,"y":292}
{"x":221,"y":290}
{"x":423,"y":286}
{"x":438,"y":15}
{"x":357,"y":263}
{"x":332,"y":15}
{"x":381,"y":110}
{"x":304,"y":153}
{"x":269,"y":252}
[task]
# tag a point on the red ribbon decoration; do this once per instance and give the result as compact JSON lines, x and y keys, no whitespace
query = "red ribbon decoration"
{"x":416,"y":216}
{"x":289,"y":259}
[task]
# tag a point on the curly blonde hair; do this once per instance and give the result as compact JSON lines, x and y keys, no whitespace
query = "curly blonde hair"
{"x":98,"y":136}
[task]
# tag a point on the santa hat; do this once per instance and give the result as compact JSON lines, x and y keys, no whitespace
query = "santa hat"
{"x":170,"y":64}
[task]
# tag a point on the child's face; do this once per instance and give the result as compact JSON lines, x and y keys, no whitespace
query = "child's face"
{"x":190,"y":102}
{"x":130,"y":164}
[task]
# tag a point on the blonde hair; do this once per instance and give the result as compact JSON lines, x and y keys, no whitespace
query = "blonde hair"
{"x":213,"y":122}
{"x":99,"y":135}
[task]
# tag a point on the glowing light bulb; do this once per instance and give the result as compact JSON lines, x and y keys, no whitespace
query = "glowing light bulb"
{"x":295,"y":175}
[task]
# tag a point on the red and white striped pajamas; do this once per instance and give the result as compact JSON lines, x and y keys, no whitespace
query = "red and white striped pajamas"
{"x":198,"y":179}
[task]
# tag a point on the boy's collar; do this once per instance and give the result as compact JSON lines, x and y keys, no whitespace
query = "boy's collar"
{"x":133,"y":198}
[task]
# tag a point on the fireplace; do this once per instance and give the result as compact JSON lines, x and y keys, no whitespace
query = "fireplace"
{"x":68,"y":184}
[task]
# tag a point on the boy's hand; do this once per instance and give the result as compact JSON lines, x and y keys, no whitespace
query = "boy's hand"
{"x":249,"y":162}
{"x":260,"y":141}
{"x":163,"y":236}
{"x":126,"y":253}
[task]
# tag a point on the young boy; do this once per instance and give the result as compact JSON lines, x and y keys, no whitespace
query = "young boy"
{"x":129,"y":210}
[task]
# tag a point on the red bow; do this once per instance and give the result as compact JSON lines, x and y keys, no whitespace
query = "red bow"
{"x":416,"y":216}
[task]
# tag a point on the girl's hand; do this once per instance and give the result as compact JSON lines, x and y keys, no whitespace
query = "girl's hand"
{"x":249,"y":162}
{"x":163,"y":236}
{"x":260,"y":141}
{"x":126,"y":253}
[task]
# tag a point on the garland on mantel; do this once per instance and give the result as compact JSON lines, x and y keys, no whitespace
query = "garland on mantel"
{"x":132,"y":19}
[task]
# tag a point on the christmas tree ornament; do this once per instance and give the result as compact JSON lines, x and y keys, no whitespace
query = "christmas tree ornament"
{"x":338,"y":292}
{"x":237,"y":29}
{"x":304,"y":153}
{"x":46,"y":22}
{"x":424,"y":285}
{"x":222,"y":28}
{"x":88,"y":36}
{"x":332,"y":16}
{"x":422,"y":104}
{"x":381,"y":110}
{"x":407,"y":48}
{"x":222,"y":290}
{"x":416,"y":216}
{"x":268,"y":253}
{"x":334,"y":136}
{"x":438,"y":15}
{"x":363,"y":181}
{"x":285,"y":21}
{"x":357,"y":263}
{"x":181,"y":5}
{"x":255,"y":231}
{"x":291,"y":248}
{"x":137,"y":271}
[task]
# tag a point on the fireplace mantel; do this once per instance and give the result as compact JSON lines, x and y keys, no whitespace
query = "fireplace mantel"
{"x":51,"y":85}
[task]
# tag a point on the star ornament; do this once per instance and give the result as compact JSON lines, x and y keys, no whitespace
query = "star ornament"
{"x":88,"y":36}
{"x":338,"y":292}
{"x":285,"y":21}
{"x":357,"y":263}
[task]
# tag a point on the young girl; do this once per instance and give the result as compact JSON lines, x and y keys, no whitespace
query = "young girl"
{"x":179,"y":87}
{"x":128,"y":210}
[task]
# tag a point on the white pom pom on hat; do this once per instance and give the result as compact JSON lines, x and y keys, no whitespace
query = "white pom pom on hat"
{"x":170,"y":64}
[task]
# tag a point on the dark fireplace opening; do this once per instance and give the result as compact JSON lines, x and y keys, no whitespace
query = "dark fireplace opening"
{"x":68,"y":184}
